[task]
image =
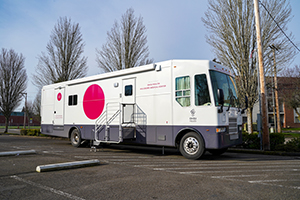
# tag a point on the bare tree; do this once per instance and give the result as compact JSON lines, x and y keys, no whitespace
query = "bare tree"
{"x":233,"y":39}
{"x":289,"y":88}
{"x":13,"y":82}
{"x":63,"y":60}
{"x":37,"y":104}
{"x":126,"y":45}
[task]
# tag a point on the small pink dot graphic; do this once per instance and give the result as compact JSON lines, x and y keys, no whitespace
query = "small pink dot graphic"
{"x":59,"y":96}
{"x":93,"y":101}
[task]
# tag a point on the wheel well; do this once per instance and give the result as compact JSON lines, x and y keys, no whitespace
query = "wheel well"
{"x":182,"y":132}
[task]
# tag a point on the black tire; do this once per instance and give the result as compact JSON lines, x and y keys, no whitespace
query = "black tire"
{"x":192,"y":146}
{"x":217,"y":152}
{"x":75,"y":138}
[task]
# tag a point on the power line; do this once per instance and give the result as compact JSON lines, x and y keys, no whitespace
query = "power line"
{"x":279,"y":26}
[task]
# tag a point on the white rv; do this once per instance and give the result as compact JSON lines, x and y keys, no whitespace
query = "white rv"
{"x":188,"y":104}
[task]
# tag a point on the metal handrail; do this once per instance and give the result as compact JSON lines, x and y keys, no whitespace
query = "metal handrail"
{"x":139,"y":120}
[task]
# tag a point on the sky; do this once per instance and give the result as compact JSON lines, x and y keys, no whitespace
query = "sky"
{"x":174,"y":28}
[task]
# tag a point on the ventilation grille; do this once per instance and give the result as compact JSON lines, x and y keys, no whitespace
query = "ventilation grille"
{"x":233,"y":128}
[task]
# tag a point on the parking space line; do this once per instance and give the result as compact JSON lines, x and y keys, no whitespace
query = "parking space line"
{"x":242,"y":170}
{"x":236,"y":171}
{"x":236,"y":176}
{"x":269,"y":182}
{"x":276,"y":180}
{"x":221,"y":167}
{"x":49,"y":189}
{"x":217,"y":164}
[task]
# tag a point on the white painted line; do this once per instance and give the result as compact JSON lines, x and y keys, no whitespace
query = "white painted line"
{"x":67,"y":165}
{"x":276,"y":180}
{"x":49,"y":189}
{"x":237,"y":171}
{"x":222,"y":167}
{"x":268,"y":182}
{"x":235,"y":176}
{"x":14,"y":153}
{"x":276,"y":165}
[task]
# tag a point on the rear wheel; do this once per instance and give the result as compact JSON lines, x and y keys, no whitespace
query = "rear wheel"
{"x":192,"y":146}
{"x":75,"y":138}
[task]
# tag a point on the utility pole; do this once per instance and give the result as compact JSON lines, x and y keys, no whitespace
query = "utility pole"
{"x":273,"y":47}
{"x":265,"y":129}
{"x":273,"y":106}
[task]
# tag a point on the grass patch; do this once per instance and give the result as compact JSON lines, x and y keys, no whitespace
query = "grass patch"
{"x":20,"y":127}
{"x":291,"y":129}
{"x":291,"y":135}
{"x":10,"y":133}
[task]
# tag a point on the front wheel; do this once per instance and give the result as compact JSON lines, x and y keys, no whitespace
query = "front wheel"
{"x":75,"y":138}
{"x":192,"y":146}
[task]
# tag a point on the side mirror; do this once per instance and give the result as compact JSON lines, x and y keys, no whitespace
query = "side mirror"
{"x":246,"y":104}
{"x":220,"y":99}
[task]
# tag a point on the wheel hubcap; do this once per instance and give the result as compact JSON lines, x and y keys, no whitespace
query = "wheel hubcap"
{"x":76,"y":138}
{"x":191,"y":145}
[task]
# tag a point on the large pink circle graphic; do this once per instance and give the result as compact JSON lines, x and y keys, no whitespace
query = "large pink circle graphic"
{"x":93,"y":101}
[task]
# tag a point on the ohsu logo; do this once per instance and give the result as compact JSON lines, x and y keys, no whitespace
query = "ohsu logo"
{"x":193,"y":112}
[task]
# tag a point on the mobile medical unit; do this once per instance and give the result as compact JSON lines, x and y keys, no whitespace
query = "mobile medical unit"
{"x":188,"y":104}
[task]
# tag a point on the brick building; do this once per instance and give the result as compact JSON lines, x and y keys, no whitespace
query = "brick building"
{"x":288,"y":117}
{"x":17,"y":119}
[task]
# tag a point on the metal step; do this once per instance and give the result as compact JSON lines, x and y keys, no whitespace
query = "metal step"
{"x":128,"y":132}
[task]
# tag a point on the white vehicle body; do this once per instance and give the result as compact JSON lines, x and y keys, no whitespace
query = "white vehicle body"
{"x":156,"y":104}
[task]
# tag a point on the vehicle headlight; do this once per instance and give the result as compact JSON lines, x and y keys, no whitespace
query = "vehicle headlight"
{"x":221,"y":130}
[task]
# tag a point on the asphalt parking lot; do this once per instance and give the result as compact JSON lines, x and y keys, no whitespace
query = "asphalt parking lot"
{"x":129,"y":172}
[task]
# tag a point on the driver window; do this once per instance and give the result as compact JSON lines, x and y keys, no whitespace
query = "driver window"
{"x":202,"y":97}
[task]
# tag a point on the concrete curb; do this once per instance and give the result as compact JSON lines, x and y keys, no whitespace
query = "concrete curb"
{"x":67,"y":165}
{"x":13,"y":153}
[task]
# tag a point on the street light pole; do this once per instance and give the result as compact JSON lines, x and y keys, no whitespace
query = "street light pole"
{"x":273,"y":47}
{"x":265,"y":130}
{"x":24,"y":125}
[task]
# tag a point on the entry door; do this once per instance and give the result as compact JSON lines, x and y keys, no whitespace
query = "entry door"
{"x":128,"y":99}
{"x":59,"y":106}
{"x":128,"y":90}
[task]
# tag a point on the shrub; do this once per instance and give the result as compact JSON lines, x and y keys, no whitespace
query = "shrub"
{"x":251,"y":141}
{"x":291,"y":146}
{"x":30,"y":132}
{"x":276,"y":139}
{"x":23,"y":131}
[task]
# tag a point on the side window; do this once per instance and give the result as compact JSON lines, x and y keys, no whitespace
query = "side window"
{"x":72,"y":100}
{"x":183,"y":91}
{"x":128,"y":90}
{"x":202,"y":97}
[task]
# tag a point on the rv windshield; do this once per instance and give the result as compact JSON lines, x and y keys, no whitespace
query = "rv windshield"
{"x":227,"y":84}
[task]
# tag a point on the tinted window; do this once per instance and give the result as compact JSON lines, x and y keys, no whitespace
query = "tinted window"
{"x":201,"y":91}
{"x":72,"y":100}
{"x":128,"y":90}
